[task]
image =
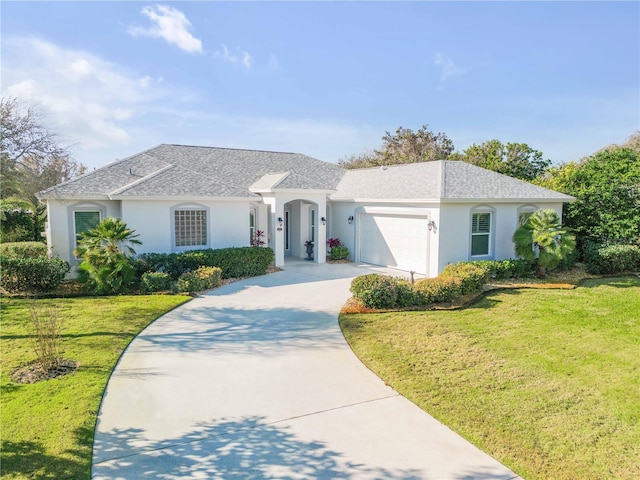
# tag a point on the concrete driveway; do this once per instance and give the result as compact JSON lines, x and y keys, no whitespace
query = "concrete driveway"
{"x":254,"y":380}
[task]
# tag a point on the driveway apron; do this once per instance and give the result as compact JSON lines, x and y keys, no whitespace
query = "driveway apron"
{"x":255,"y":380}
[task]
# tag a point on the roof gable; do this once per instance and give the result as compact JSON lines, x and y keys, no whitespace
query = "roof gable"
{"x":179,"y":170}
{"x":441,"y":180}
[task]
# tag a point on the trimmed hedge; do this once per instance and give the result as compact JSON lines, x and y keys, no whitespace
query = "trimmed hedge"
{"x":156,"y":282}
{"x":472,"y":276}
{"x":203,"y":278}
{"x":32,"y":274}
{"x":234,"y":262}
{"x":502,"y":269}
{"x":606,"y":259}
{"x":375,"y":290}
{"x":439,"y":289}
{"x":383,"y":292}
{"x":24,"y":250}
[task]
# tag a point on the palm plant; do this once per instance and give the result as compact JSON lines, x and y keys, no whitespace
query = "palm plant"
{"x":543,"y":239}
{"x":107,"y":252}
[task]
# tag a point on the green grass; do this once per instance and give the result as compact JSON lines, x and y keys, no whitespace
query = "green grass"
{"x":546,"y":381}
{"x":47,"y":427}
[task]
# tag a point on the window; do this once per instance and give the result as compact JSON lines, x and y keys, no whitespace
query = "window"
{"x":480,"y":233}
{"x":313,"y":225}
{"x":286,"y":230}
{"x":524,"y":213}
{"x":190,"y":227}
{"x":84,"y":221}
{"x":252,"y":225}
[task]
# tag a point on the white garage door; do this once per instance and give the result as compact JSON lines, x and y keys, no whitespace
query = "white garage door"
{"x":394,"y":241}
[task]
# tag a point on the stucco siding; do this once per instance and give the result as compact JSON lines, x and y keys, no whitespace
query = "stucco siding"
{"x":227,"y":223}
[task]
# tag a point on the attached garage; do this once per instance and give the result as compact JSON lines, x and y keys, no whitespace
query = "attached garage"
{"x":394,"y":240}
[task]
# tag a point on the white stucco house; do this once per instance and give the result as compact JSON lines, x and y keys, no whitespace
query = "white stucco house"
{"x":416,"y":217}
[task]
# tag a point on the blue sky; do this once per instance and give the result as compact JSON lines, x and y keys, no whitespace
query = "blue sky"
{"x":325,"y":78}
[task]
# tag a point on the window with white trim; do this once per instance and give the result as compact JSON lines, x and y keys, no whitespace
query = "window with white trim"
{"x":480,"y":234}
{"x":85,"y":220}
{"x":190,"y":227}
{"x":524,"y":213}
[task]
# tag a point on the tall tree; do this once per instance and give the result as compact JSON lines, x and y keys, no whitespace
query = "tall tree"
{"x":607,"y":190}
{"x":516,"y":160}
{"x":405,"y":146}
{"x":31,"y":159}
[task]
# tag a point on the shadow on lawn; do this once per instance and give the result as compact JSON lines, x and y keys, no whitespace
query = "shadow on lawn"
{"x":29,"y":459}
{"x":247,"y":448}
{"x":616,"y":282}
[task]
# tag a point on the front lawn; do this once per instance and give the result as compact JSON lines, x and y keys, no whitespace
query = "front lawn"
{"x":546,"y":381}
{"x":47,"y":427}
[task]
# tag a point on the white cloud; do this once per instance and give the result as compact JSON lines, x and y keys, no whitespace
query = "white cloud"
{"x":89,"y":99}
{"x":170,"y":24}
{"x":447,"y":67}
{"x":237,"y":57}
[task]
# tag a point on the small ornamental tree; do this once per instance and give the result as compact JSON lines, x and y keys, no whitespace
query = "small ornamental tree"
{"x":107,"y":254}
{"x":542,"y":239}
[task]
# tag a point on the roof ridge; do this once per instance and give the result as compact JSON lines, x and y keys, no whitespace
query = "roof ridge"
{"x":86,"y":174}
{"x":230,"y":148}
{"x":123,"y":189}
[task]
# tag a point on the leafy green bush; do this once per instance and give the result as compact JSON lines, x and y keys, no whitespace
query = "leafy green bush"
{"x":32,"y":274}
{"x":234,"y":262}
{"x":439,"y":289}
{"x":203,"y":278}
{"x":605,"y":259}
{"x":156,"y":281}
{"x":24,"y":249}
{"x":107,"y":257}
{"x":472,"y":276}
{"x":510,"y":268}
{"x":375,"y":290}
{"x":339,"y":252}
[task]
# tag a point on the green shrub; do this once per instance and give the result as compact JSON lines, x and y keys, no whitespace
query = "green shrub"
{"x":234,"y":262}
{"x":32,"y":274}
{"x":339,"y":252}
{"x":156,"y":281}
{"x":203,"y":278}
{"x":605,"y":259}
{"x":375,"y":290}
{"x":440,"y":289}
{"x":510,"y":268}
{"x":408,"y":296}
{"x":24,"y":249}
{"x":472,"y":276}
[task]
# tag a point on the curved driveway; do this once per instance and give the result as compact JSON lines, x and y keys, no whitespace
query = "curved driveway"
{"x":254,"y":380}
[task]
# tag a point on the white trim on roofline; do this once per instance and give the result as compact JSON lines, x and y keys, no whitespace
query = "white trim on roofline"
{"x":386,"y":200}
{"x":184,"y":198}
{"x":509,"y":200}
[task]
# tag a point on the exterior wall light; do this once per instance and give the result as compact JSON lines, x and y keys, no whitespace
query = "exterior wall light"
{"x":431,"y":225}
{"x":280,"y":221}
{"x":323,"y":220}
{"x":350,"y":219}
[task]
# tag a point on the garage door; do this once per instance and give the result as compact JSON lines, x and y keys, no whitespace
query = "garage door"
{"x":394,"y":241}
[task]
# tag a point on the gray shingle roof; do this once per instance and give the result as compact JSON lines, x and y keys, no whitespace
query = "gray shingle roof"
{"x":179,"y":170}
{"x":188,"y":171}
{"x":438,"y":180}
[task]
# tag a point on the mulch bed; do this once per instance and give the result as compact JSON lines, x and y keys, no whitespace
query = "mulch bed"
{"x":33,"y":373}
